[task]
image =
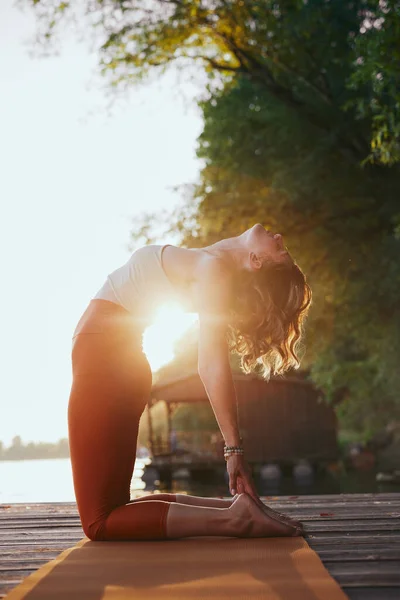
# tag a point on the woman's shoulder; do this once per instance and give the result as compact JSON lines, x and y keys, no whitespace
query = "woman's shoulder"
{"x":198,"y":272}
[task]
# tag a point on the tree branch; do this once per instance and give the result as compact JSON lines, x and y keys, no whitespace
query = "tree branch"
{"x":221,"y":67}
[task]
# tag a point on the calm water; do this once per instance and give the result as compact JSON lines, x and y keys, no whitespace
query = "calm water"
{"x":46,"y":480}
{"x":51,"y":481}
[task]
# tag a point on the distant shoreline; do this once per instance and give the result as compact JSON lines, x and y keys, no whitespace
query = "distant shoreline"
{"x":18,"y":450}
{"x":22,"y":458}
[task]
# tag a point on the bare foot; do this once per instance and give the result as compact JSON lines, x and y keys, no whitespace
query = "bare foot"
{"x":252,"y":521}
{"x":277,"y":515}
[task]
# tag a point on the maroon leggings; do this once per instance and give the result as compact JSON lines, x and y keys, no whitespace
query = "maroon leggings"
{"x":110,"y":389}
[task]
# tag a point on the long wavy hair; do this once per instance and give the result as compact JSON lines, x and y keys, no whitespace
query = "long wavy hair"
{"x":269,"y":308}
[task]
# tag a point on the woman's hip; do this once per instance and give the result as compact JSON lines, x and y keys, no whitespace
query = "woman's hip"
{"x":108,"y":362}
{"x":104,"y":316}
{"x":108,"y":368}
{"x":107,"y":335}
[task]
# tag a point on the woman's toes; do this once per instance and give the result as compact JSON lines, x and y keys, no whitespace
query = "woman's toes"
{"x":281,"y":518}
{"x":268,"y":524}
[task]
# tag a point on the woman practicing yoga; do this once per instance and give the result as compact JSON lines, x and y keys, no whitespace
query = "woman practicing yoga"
{"x":251,"y":298}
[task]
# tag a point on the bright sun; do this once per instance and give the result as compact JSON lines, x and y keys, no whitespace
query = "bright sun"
{"x":158,"y":340}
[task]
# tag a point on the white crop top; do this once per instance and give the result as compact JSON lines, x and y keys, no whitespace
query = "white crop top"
{"x":140,"y":285}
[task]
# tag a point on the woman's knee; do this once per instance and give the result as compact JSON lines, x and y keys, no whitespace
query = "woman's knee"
{"x":94,"y":531}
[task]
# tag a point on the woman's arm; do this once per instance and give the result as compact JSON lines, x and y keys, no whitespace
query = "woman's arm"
{"x":216,"y":375}
{"x":213,"y":298}
{"x":213,"y":294}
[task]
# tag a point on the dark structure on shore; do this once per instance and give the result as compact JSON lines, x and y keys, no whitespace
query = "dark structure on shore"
{"x":282,"y":421}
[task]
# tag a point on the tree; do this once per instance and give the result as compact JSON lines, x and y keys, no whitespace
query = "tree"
{"x":264,"y":163}
{"x":343,"y":79}
{"x":16,"y":450}
{"x":375,"y":80}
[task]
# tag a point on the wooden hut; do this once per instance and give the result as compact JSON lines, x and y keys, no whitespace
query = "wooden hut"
{"x":282,"y":421}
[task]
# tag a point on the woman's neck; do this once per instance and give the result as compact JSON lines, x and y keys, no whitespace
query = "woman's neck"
{"x":231,"y":250}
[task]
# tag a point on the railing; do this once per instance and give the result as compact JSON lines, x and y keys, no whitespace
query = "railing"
{"x":160,"y":447}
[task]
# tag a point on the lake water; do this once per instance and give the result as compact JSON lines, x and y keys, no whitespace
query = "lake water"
{"x":51,"y":481}
{"x":46,"y":480}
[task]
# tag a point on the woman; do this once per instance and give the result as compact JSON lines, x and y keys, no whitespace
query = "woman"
{"x":250,"y":298}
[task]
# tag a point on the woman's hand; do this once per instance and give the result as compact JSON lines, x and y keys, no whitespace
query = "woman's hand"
{"x":240,"y":478}
{"x":241,"y":481}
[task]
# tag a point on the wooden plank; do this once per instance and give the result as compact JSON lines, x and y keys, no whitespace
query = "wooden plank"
{"x":324,"y":500}
{"x":334,"y":497}
{"x":374,"y":520}
{"x":24,"y":554}
{"x":25,"y":557}
{"x":317,"y":529}
{"x":16,"y":574}
{"x":7,"y":586}
{"x":359,"y":526}
{"x":38,"y":534}
{"x":361,"y":574}
{"x":22,"y":517}
{"x":323,"y":550}
{"x":350,"y":545}
{"x":9,"y":566}
{"x":356,"y":554}
{"x":324,"y":513}
{"x":361,"y":537}
{"x":71,"y":540}
{"x":336,"y":508}
{"x":317,"y":538}
{"x":12,"y":560}
{"x":320,"y":498}
{"x":324,"y":540}
{"x":61,"y":531}
{"x":312,"y":508}
{"x":309,"y":508}
{"x":40,"y":526}
{"x":373,"y":593}
{"x":310,"y":521}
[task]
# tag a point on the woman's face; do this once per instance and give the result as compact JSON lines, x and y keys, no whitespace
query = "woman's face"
{"x":266,"y":245}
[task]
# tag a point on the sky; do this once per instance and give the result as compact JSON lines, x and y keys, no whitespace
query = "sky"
{"x":72,"y":181}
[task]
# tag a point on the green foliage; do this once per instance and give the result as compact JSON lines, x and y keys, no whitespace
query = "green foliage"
{"x":335,"y":63}
{"x":264,"y":163}
{"x":375,"y":79}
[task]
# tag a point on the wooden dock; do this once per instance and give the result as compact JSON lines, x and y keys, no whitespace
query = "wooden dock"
{"x":357,"y":537}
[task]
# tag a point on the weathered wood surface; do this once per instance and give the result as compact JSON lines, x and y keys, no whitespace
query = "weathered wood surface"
{"x":357,"y":537}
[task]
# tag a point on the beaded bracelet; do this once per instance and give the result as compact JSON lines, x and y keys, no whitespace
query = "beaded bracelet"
{"x":229,"y":453}
{"x":234,"y":447}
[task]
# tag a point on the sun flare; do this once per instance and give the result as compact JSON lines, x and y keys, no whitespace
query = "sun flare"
{"x":169,"y":324}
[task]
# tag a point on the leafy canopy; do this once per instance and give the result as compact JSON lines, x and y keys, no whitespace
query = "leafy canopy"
{"x":336,"y":63}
